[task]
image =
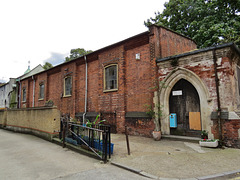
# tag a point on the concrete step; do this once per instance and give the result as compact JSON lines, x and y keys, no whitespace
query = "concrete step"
{"x":181,"y":138}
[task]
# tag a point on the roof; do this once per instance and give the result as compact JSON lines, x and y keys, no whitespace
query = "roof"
{"x":29,"y":73}
{"x":200,"y":50}
{"x":146,"y":33}
{"x":2,"y":84}
{"x":101,"y":49}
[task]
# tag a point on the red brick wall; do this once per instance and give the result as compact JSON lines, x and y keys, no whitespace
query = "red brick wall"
{"x":80,"y":87}
{"x":230,"y":132}
{"x":41,"y":78}
{"x":173,"y":44}
{"x":138,"y":79}
{"x":113,"y":101}
{"x":93,"y":86}
{"x":54,"y":87}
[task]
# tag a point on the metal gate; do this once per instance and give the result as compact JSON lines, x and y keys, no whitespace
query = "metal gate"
{"x":96,"y":138}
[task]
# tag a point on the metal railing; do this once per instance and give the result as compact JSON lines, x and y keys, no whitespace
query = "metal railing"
{"x":96,"y":138}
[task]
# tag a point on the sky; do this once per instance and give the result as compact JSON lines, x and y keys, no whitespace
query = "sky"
{"x":42,"y":31}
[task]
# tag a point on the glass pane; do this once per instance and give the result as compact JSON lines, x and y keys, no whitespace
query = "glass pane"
{"x":68,"y":86}
{"x":111,"y":77}
{"x":24,"y":94}
{"x":41,"y":91}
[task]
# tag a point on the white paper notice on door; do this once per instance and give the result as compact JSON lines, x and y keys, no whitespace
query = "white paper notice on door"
{"x":177,"y":93}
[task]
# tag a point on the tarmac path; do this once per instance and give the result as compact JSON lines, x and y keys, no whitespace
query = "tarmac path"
{"x":27,"y":157}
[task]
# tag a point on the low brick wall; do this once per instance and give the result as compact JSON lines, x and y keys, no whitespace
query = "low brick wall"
{"x":43,"y":122}
{"x":231,"y":133}
{"x":139,"y":123}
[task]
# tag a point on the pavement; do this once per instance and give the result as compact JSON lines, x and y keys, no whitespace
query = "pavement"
{"x":174,"y":159}
{"x":27,"y":157}
{"x":24,"y":156}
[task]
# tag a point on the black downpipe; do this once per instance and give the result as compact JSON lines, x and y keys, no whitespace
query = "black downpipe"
{"x":218,"y":98}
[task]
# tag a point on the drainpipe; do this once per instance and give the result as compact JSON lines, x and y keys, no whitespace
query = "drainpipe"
{"x":33,"y":91}
{"x":86,"y":90}
{"x":20,"y":92}
{"x":218,"y":97}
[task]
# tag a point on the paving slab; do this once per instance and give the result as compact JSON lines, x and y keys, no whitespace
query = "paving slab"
{"x":174,"y":159}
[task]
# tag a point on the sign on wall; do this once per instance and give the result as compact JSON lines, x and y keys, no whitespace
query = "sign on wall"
{"x":177,"y":93}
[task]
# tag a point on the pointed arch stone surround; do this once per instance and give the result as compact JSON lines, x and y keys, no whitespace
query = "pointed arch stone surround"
{"x":164,"y":92}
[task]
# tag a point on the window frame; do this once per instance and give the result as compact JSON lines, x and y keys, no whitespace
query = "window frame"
{"x":104,"y":78}
{"x":41,"y":98}
{"x":64,"y":90}
{"x":24,"y":95}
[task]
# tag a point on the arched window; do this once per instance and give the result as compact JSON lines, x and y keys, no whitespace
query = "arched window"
{"x":111,"y":77}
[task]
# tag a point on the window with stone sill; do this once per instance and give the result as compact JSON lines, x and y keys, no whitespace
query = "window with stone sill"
{"x":111,"y":77}
{"x":68,"y":86}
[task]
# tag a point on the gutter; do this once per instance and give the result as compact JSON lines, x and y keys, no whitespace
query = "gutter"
{"x":218,"y":97}
{"x":86,"y":90}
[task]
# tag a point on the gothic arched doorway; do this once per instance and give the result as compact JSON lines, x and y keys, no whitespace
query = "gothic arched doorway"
{"x":184,"y":101}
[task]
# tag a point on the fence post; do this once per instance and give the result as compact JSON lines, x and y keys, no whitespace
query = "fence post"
{"x":128,"y":148}
{"x":64,"y":133}
{"x":104,"y":147}
{"x":109,"y":140}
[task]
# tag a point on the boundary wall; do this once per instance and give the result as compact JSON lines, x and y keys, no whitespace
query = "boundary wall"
{"x":42,"y":121}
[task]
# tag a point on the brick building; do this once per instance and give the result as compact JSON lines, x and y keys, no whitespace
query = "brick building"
{"x":202,"y":88}
{"x":116,"y":81}
{"x":130,"y":82}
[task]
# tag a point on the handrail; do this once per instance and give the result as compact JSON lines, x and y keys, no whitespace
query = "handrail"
{"x":86,"y":143}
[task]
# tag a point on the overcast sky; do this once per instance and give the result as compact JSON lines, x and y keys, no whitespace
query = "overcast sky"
{"x":46,"y":30}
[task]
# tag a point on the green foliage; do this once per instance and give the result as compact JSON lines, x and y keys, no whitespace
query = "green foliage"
{"x":89,"y":124}
{"x":174,"y":62}
{"x":204,"y":133}
{"x":149,"y":110}
{"x":47,"y":65}
{"x":208,"y":22}
{"x":75,"y":53}
{"x":158,"y":84}
{"x":209,"y":140}
{"x":49,"y":103}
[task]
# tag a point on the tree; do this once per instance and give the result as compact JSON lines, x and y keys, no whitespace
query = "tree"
{"x":47,"y":65}
{"x":75,"y":53}
{"x":208,"y":22}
